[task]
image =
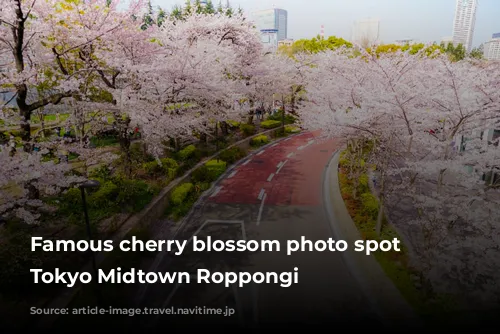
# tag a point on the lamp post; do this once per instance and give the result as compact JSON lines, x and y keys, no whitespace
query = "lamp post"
{"x":83,"y":186}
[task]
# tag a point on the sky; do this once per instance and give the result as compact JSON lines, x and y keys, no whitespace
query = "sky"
{"x":422,"y":20}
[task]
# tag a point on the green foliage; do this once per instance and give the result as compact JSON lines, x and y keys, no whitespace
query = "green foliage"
{"x":233,"y":124}
{"x":167,"y":167}
{"x":370,"y":205}
{"x":270,"y":124}
{"x":289,"y":119}
{"x":247,"y":129}
{"x":315,"y":45}
{"x":232,"y":154}
{"x":260,"y":140}
{"x":180,"y":193}
{"x":292,"y":129}
{"x":216,"y":167}
{"x":186,"y":153}
{"x":103,"y":141}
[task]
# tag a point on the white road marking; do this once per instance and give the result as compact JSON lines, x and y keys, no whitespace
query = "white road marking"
{"x":259,"y":217}
{"x":261,"y":194}
{"x":274,"y":145}
{"x":246,"y":162}
{"x":300,"y":148}
{"x":261,"y":152}
{"x":279,"y":169}
{"x":279,"y":165}
{"x":269,"y":179}
{"x":232,"y":174}
{"x":290,"y":155}
{"x":216,"y":191}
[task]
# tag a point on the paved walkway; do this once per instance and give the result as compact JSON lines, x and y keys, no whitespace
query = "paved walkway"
{"x":275,"y":195}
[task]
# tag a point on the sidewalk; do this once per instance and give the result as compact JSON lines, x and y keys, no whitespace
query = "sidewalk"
{"x":379,"y":289}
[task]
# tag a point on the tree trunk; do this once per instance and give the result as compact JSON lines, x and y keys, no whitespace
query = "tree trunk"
{"x":224,"y":128}
{"x":380,"y":216}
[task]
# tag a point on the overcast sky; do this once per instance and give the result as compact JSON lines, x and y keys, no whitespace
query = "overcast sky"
{"x":424,"y":20}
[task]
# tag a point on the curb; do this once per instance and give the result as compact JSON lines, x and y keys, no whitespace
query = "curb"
{"x":160,"y":257}
{"x":385,"y":298}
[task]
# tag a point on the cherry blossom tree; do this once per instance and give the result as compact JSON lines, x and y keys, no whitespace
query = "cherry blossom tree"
{"x":57,"y":44}
{"x":192,"y":79}
{"x":417,"y":110}
{"x":25,"y":179}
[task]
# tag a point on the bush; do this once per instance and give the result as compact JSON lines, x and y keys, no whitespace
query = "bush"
{"x":233,"y":124}
{"x":181,"y":193}
{"x":167,"y":167}
{"x":232,"y":154}
{"x":247,"y":129}
{"x":105,"y":195}
{"x":370,"y":205}
{"x":289,"y":119}
{"x":270,"y":124}
{"x":291,"y":129}
{"x":186,"y":153}
{"x":134,"y":195}
{"x":216,"y":168}
{"x":363,"y":183}
{"x":259,"y":141}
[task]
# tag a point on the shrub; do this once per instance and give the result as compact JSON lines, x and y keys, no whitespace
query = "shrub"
{"x":232,"y":154}
{"x":363,"y":183}
{"x":289,"y":119}
{"x":216,"y":168}
{"x":134,"y":195}
{"x":167,"y":167}
{"x":291,"y":129}
{"x":370,"y":205}
{"x":247,"y":129}
{"x":270,"y":124}
{"x":233,"y":124}
{"x":259,"y":141}
{"x":105,"y":195}
{"x":186,"y":153}
{"x":181,"y":193}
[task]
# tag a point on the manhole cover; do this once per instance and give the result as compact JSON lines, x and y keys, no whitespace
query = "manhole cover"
{"x":324,"y":151}
{"x":258,"y":161}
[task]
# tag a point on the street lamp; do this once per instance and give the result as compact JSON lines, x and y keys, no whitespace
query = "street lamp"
{"x":86,"y":185}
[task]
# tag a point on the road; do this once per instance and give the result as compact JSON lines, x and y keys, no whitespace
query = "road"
{"x":275,"y":195}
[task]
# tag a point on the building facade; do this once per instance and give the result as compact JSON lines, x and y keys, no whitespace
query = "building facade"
{"x":272,"y":19}
{"x":286,"y":42}
{"x":464,"y":23}
{"x":491,"y":48}
{"x":366,"y":32}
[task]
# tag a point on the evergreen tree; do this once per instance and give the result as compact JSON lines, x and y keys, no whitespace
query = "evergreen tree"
{"x":160,"y":18}
{"x":148,"y":20}
{"x":198,"y":8}
{"x":209,"y":8}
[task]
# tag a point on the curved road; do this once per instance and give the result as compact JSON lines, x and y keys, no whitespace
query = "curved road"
{"x":276,"y":194}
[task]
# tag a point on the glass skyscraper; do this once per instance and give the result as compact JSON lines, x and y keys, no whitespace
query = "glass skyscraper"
{"x":465,"y":20}
{"x":272,"y":19}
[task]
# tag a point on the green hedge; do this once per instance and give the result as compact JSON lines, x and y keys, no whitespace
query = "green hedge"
{"x":233,"y":124}
{"x":289,"y":119}
{"x":260,"y":140}
{"x":270,"y":124}
{"x":292,"y":129}
{"x":233,"y":154}
{"x":114,"y":195}
{"x":180,"y":193}
{"x":247,"y":129}
{"x":186,"y":153}
{"x":168,"y":167}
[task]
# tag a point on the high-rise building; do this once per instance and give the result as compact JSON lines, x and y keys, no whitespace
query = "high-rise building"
{"x":272,"y":19}
{"x":491,"y":49}
{"x":366,"y":32}
{"x":465,"y":20}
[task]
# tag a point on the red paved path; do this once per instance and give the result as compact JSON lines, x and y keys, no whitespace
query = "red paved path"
{"x":299,"y":182}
